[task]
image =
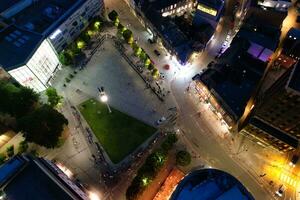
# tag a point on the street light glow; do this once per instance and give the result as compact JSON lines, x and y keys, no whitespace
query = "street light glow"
{"x":104,"y":98}
{"x":93,"y":196}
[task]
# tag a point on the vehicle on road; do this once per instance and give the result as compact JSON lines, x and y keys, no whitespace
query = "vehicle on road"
{"x":280,"y":191}
{"x":156,"y":52}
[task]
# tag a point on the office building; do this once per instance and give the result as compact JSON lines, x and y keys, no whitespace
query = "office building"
{"x":279,"y":112}
{"x":33,"y":32}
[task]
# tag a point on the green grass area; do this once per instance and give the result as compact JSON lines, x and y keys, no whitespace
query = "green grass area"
{"x":118,"y":133}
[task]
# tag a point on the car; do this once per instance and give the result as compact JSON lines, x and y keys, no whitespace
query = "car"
{"x":156,"y":52}
{"x":161,"y":120}
{"x":280,"y":191}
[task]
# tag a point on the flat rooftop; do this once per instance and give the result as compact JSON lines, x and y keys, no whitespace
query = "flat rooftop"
{"x":5,"y":4}
{"x":17,"y":46}
{"x":210,"y":184}
{"x":41,"y":15}
{"x":41,"y":185}
{"x":234,"y":78}
{"x":294,"y":82}
{"x":26,"y":177}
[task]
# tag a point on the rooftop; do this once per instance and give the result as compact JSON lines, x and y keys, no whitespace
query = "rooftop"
{"x":294,"y":82}
{"x":5,"y":4}
{"x":24,"y":177}
{"x":41,"y":15}
{"x":234,"y":78}
{"x":18,"y":45}
{"x":210,"y":184}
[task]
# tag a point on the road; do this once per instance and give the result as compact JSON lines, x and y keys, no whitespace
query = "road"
{"x":198,"y":134}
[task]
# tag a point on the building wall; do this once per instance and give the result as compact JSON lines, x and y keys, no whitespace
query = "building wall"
{"x":256,"y":132}
{"x":39,"y":69}
{"x":177,"y":8}
{"x":73,"y":26}
{"x":280,"y":107}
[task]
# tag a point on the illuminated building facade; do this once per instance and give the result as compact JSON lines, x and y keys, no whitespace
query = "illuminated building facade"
{"x":208,"y":11}
{"x":33,"y":32}
{"x":278,"y":5}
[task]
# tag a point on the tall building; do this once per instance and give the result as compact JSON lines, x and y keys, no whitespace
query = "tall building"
{"x":27,"y":177}
{"x":276,"y":120}
{"x":32,"y":32}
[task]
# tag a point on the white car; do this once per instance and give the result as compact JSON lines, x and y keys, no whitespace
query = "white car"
{"x":280,"y":191}
{"x":160,"y":121}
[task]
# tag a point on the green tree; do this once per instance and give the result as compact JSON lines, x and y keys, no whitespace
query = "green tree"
{"x":169,"y":142}
{"x":2,"y":158}
{"x":151,"y":67}
{"x":10,"y":151}
{"x":23,"y":146}
{"x":53,"y":97}
{"x":65,"y":58}
{"x":183,"y":158}
{"x":121,"y":28}
{"x":84,"y":36}
{"x":113,"y":15}
{"x":96,"y":25}
{"x":128,"y":36}
{"x":43,"y":126}
{"x":18,"y":100}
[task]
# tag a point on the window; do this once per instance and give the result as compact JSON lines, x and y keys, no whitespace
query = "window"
{"x":75,"y":23}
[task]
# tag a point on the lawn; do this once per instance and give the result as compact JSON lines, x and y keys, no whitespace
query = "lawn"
{"x":118,"y":133}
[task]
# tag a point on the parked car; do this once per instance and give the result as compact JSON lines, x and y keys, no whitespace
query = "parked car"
{"x":161,"y":120}
{"x":156,"y":52}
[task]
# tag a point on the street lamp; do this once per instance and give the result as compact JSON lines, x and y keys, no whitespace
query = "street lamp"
{"x":104,"y":98}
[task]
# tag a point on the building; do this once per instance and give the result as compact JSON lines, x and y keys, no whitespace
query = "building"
{"x":276,"y":120}
{"x":32,"y":33}
{"x":277,"y":5}
{"x":171,"y":23}
{"x":210,"y":184}
{"x":208,"y":11}
{"x":27,"y":177}
{"x":291,"y":44}
{"x":228,"y":84}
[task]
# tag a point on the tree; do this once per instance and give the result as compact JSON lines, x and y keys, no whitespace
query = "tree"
{"x":84,"y":36}
{"x":113,"y":15}
{"x":43,"y":126}
{"x":65,"y":58}
{"x":183,"y":158}
{"x":2,"y":158}
{"x":151,"y":67}
{"x":10,"y":151}
{"x":53,"y":97}
{"x":121,"y":28}
{"x":97,"y":25}
{"x":128,"y":36}
{"x":18,"y":100}
{"x":169,"y":142}
{"x":23,"y":146}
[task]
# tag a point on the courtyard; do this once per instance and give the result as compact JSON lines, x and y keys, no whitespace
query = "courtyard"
{"x":118,"y":133}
